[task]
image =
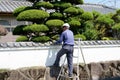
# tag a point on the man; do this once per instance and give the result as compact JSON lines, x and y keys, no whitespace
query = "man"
{"x":67,"y":38}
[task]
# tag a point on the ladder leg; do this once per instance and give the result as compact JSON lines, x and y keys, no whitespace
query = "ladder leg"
{"x":88,"y":73}
{"x":61,"y":70}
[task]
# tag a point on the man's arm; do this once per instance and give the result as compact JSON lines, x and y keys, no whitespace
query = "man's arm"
{"x":60,"y":39}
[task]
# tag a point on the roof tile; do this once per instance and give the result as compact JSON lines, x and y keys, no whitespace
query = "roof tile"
{"x":10,"y":6}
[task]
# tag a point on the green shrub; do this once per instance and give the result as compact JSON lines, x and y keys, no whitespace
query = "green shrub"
{"x":65,"y":5}
{"x":71,"y":10}
{"x":21,"y":9}
{"x":118,"y":11}
{"x":96,"y":14}
{"x":55,"y":37}
{"x":56,"y":15}
{"x":74,"y":23}
{"x":79,"y":2}
{"x":54,"y":23}
{"x":76,"y":18}
{"x":56,"y":4}
{"x":91,"y":34}
{"x":80,"y":10}
{"x":87,"y":16}
{"x":18,"y":30}
{"x":116,"y":27}
{"x":41,"y":39}
{"x":81,"y":36}
{"x":22,"y":39}
{"x":36,"y":28}
{"x":32,"y":15}
{"x":116,"y":31}
{"x":62,"y":5}
{"x":105,"y":20}
{"x":107,"y":38}
{"x":47,"y":5}
{"x":89,"y":25}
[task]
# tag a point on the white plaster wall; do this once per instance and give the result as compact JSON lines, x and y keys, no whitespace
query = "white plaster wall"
{"x":37,"y":56}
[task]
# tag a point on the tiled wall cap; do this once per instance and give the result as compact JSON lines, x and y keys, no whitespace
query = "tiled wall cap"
{"x":23,"y":44}
{"x":9,"y":44}
{"x":33,"y":44}
{"x":16,"y":44}
{"x":29,"y":44}
{"x":3,"y":45}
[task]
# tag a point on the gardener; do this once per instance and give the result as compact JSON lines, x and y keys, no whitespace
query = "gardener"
{"x":67,"y":38}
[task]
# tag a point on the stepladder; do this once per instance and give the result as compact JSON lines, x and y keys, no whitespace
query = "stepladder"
{"x":63,"y":74}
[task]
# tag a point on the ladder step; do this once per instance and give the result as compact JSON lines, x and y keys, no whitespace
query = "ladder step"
{"x":75,"y":56}
{"x":66,"y":76}
{"x":63,"y":75}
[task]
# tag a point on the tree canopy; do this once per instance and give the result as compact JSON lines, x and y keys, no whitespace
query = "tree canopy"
{"x":48,"y":16}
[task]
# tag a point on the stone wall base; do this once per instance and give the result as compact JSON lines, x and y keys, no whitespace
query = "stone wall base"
{"x":93,"y":71}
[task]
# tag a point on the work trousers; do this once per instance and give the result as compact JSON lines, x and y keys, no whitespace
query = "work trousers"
{"x":68,"y":50}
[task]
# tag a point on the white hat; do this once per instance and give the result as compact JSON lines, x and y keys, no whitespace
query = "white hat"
{"x":67,"y":25}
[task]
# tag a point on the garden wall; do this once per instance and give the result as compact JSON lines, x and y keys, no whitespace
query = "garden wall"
{"x":15,"y":55}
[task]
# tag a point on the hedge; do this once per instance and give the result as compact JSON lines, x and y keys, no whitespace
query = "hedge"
{"x":105,"y":20}
{"x":116,"y":27}
{"x":75,"y":26}
{"x":62,"y":5}
{"x":65,"y":5}
{"x":56,"y":15}
{"x":36,"y":28}
{"x":79,"y":1}
{"x":21,"y":9}
{"x":80,"y":10}
{"x":81,"y":36}
{"x":91,"y":34}
{"x":54,"y":23}
{"x":71,"y":10}
{"x":18,"y":30}
{"x":74,"y":23}
{"x":32,"y":15}
{"x":22,"y":39}
{"x":89,"y":25}
{"x":87,"y":16}
{"x":45,"y":5}
{"x":41,"y":39}
{"x":96,"y":14}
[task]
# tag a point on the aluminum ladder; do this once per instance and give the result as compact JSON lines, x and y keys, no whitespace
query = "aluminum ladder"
{"x":62,"y":75}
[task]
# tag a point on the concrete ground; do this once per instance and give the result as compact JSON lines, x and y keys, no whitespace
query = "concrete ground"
{"x":8,"y":38}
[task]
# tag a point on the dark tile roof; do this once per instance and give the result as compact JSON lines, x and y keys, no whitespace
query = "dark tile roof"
{"x":97,"y":7}
{"x":10,"y":6}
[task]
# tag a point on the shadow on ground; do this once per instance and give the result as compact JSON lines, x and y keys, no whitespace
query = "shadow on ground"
{"x":115,"y":78}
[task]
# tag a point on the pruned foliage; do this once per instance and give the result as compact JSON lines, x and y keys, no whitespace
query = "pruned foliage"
{"x":62,"y":5}
{"x":41,"y":39}
{"x":36,"y":28}
{"x":22,"y":39}
{"x":21,"y":9}
{"x":56,"y":15}
{"x":48,"y":16}
{"x":33,"y":15}
{"x":18,"y":30}
{"x":54,"y":23}
{"x":47,"y":5}
{"x":71,"y":10}
{"x":87,"y":16}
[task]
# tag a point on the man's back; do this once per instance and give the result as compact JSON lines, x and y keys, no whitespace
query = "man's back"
{"x":68,"y":37}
